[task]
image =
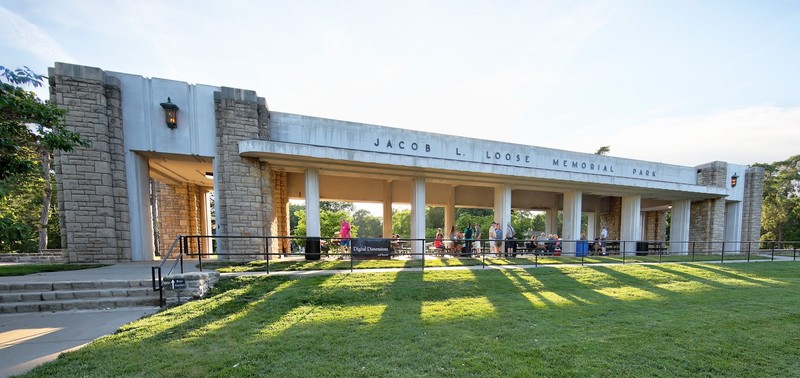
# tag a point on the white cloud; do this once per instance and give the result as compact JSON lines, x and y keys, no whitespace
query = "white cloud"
{"x":19,"y":33}
{"x":740,"y":136}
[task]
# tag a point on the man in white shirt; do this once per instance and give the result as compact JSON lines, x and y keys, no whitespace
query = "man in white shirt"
{"x":603,"y":237}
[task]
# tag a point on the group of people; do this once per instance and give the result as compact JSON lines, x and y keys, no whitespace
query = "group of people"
{"x":467,"y":242}
{"x":549,"y":244}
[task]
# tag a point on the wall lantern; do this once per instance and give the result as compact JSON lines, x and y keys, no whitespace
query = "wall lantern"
{"x":170,"y":113}
{"x":734,"y":180}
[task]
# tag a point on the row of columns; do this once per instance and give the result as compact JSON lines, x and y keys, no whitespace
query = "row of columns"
{"x":630,"y":225}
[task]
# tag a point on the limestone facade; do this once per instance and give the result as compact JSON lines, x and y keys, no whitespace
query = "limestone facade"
{"x":92,"y":187}
{"x":252,"y":195}
{"x":751,"y":213}
{"x":244,"y":188}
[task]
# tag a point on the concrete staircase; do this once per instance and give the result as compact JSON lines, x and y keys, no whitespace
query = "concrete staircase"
{"x":19,"y":297}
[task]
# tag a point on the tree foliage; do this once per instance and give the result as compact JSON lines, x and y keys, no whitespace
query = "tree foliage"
{"x":780,"y":215}
{"x":28,"y":125}
{"x":30,"y":130}
{"x":604,"y":150}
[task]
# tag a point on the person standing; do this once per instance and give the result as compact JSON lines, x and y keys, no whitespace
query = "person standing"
{"x":603,"y":237}
{"x":498,"y":244}
{"x":344,"y":234}
{"x":476,"y":245}
{"x":468,"y":235}
{"x":511,"y":245}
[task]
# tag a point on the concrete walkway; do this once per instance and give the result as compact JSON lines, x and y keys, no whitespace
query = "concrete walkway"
{"x":30,"y":339}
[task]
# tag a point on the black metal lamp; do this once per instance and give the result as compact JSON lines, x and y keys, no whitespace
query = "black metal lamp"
{"x":734,"y":180}
{"x":170,"y":113}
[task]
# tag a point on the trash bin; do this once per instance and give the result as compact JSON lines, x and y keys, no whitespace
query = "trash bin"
{"x":641,"y":248}
{"x":312,"y":249}
{"x":581,"y":248}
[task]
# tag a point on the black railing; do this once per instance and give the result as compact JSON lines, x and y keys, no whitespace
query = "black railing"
{"x":483,"y":252}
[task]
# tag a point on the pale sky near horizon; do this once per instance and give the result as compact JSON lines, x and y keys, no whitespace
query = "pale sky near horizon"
{"x":679,"y":82}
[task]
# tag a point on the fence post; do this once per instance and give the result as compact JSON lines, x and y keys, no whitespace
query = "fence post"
{"x":423,"y":253}
{"x":622,"y":251}
{"x":693,"y":246}
{"x":722,"y":253}
{"x":199,"y":255}
{"x":773,"y":252}
{"x":185,"y":250}
{"x":266,"y":248}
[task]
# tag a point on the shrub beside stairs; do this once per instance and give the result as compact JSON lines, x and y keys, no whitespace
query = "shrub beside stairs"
{"x":20,"y":297}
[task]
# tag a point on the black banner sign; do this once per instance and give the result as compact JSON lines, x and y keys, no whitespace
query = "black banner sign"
{"x":371,"y":248}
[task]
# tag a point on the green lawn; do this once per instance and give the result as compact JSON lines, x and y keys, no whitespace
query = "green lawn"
{"x":668,"y":320}
{"x":334,"y":264}
{"x":23,"y":269}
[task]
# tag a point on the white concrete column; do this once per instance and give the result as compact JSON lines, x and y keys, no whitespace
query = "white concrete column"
{"x":387,"y":209}
{"x":312,"y":203}
{"x":573,"y":202}
{"x":631,"y":223}
{"x":138,"y":175}
{"x":679,"y":226}
{"x":502,"y":206}
{"x":418,"y":216}
{"x":733,"y":226}
{"x":449,"y":210}
{"x":591,"y":224}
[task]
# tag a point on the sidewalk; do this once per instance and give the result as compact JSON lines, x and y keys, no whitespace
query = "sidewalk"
{"x":28,"y":340}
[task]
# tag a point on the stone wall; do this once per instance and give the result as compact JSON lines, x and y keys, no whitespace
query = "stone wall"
{"x":44,"y":256}
{"x":753,"y":196}
{"x":243,"y":184}
{"x":180,"y":212}
{"x":655,"y":225}
{"x":92,"y":187}
{"x":198,"y":284}
{"x":612,"y":218}
{"x":707,"y":223}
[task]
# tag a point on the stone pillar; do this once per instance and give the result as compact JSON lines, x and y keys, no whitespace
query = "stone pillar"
{"x":591,"y":224}
{"x":92,"y":185}
{"x":679,"y":226}
{"x":281,"y":220}
{"x":631,"y":226}
{"x":418,"y":216}
{"x":708,"y":216}
{"x":312,"y":204}
{"x":243,"y":185}
{"x":502,"y":206}
{"x":551,"y":218}
{"x":573,"y":203}
{"x":449,"y":210}
{"x":751,"y":206}
{"x":387,"y":209}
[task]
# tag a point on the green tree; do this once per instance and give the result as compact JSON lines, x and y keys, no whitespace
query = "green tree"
{"x":603,"y":150}
{"x":780,"y":215}
{"x":368,"y":225}
{"x":401,"y":222}
{"x":30,"y":130}
{"x":294,"y":218}
{"x":335,"y":206}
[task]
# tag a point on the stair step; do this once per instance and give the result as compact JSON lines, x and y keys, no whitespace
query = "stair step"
{"x":76,"y":304}
{"x":19,"y":297}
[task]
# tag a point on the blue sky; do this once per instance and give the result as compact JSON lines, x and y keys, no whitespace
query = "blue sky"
{"x":681,"y":82}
